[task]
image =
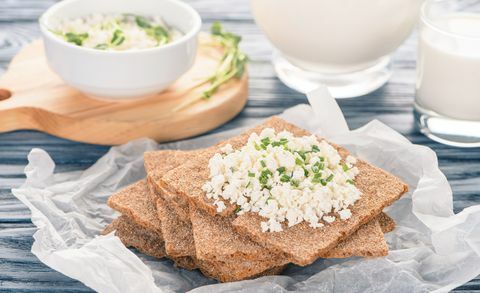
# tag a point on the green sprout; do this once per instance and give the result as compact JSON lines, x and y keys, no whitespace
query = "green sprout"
{"x":231,"y":66}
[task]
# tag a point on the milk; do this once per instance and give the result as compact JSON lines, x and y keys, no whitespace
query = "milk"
{"x":336,"y":36}
{"x":448,"y":69}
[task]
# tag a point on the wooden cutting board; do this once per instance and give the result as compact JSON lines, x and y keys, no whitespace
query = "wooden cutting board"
{"x":33,"y":97}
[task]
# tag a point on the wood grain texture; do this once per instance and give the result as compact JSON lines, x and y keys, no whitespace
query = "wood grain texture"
{"x":34,"y":97}
{"x":392,"y":104}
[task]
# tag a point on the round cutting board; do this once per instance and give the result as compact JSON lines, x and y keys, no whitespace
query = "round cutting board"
{"x":33,"y":97}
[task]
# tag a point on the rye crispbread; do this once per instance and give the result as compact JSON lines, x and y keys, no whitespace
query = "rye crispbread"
{"x":134,"y":235}
{"x":350,"y":247}
{"x":150,"y":243}
{"x":134,"y":202}
{"x":176,"y":233}
{"x":214,"y":239}
{"x":386,"y":223}
{"x":378,"y":188}
{"x":367,"y":241}
{"x":186,"y":180}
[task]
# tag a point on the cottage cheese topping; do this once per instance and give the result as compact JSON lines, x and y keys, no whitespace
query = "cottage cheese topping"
{"x":284,"y":179}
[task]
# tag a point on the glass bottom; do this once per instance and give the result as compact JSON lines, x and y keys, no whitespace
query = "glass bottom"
{"x":453,"y":132}
{"x":345,"y":85}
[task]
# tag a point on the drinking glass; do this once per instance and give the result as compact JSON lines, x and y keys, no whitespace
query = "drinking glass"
{"x":447,"y":102}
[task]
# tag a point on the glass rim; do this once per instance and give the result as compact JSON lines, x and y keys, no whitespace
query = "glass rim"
{"x":427,"y":21}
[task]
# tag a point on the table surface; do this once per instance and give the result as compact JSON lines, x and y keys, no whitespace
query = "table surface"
{"x":20,"y":270}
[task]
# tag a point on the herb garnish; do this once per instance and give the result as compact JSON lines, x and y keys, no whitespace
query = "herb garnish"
{"x":77,"y":39}
{"x":118,"y":38}
{"x":231,"y":66}
{"x":159,"y":33}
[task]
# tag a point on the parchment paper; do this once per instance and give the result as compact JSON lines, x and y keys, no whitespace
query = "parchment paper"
{"x":432,"y":249}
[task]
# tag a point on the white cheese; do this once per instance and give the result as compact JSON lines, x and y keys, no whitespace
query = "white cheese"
{"x":285,"y":179}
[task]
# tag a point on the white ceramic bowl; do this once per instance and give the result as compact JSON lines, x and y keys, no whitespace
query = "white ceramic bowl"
{"x":122,"y":74}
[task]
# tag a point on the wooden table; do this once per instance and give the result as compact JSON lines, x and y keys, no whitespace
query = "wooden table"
{"x":392,"y":104}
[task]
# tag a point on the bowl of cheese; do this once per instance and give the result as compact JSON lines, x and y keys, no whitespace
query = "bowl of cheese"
{"x":120,"y":49}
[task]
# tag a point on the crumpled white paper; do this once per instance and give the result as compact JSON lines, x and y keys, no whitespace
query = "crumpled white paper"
{"x":431,"y":248}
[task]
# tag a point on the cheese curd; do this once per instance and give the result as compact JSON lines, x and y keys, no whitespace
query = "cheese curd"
{"x":285,"y":179}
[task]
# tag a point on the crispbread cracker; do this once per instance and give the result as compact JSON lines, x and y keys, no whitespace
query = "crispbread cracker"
{"x":186,"y":180}
{"x":386,"y":223}
{"x":150,"y":243}
{"x":157,"y":163}
{"x":176,"y":233}
{"x":134,"y":202}
{"x":302,"y":243}
{"x":134,"y":235}
{"x":215,"y":239}
{"x":379,"y":189}
{"x":367,"y":241}
{"x":351,"y":245}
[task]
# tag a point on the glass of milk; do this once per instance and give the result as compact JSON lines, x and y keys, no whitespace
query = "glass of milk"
{"x":343,"y":44}
{"x":447,"y":103}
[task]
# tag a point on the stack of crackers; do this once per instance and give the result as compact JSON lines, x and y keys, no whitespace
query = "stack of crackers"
{"x":168,"y":215}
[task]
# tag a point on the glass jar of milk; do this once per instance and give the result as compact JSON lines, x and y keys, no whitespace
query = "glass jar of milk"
{"x":343,"y":44}
{"x":447,"y":104}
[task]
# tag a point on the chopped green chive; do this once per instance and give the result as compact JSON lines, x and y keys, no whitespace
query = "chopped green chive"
{"x":251,"y":174}
{"x":262,"y":162}
{"x":302,"y":155}
{"x":298,"y":161}
{"x":285,"y":178}
{"x":317,"y":178}
{"x":330,"y":178}
{"x":315,"y":149}
{"x":142,"y":22}
{"x":237,"y":210}
{"x":265,"y":141}
{"x":117,"y":38}
{"x":294,"y":183}
{"x":344,"y":166}
{"x":102,"y":46}
{"x":77,"y":39}
{"x":351,"y":181}
{"x":282,"y":141}
{"x":323,"y":182}
{"x":305,"y":172}
{"x":281,"y":170}
{"x":257,"y":147}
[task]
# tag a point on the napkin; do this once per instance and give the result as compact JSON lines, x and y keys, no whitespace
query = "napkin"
{"x":431,"y":249}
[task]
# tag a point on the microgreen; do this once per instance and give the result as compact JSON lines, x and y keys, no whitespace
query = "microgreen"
{"x":159,"y":33}
{"x":232,"y":64}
